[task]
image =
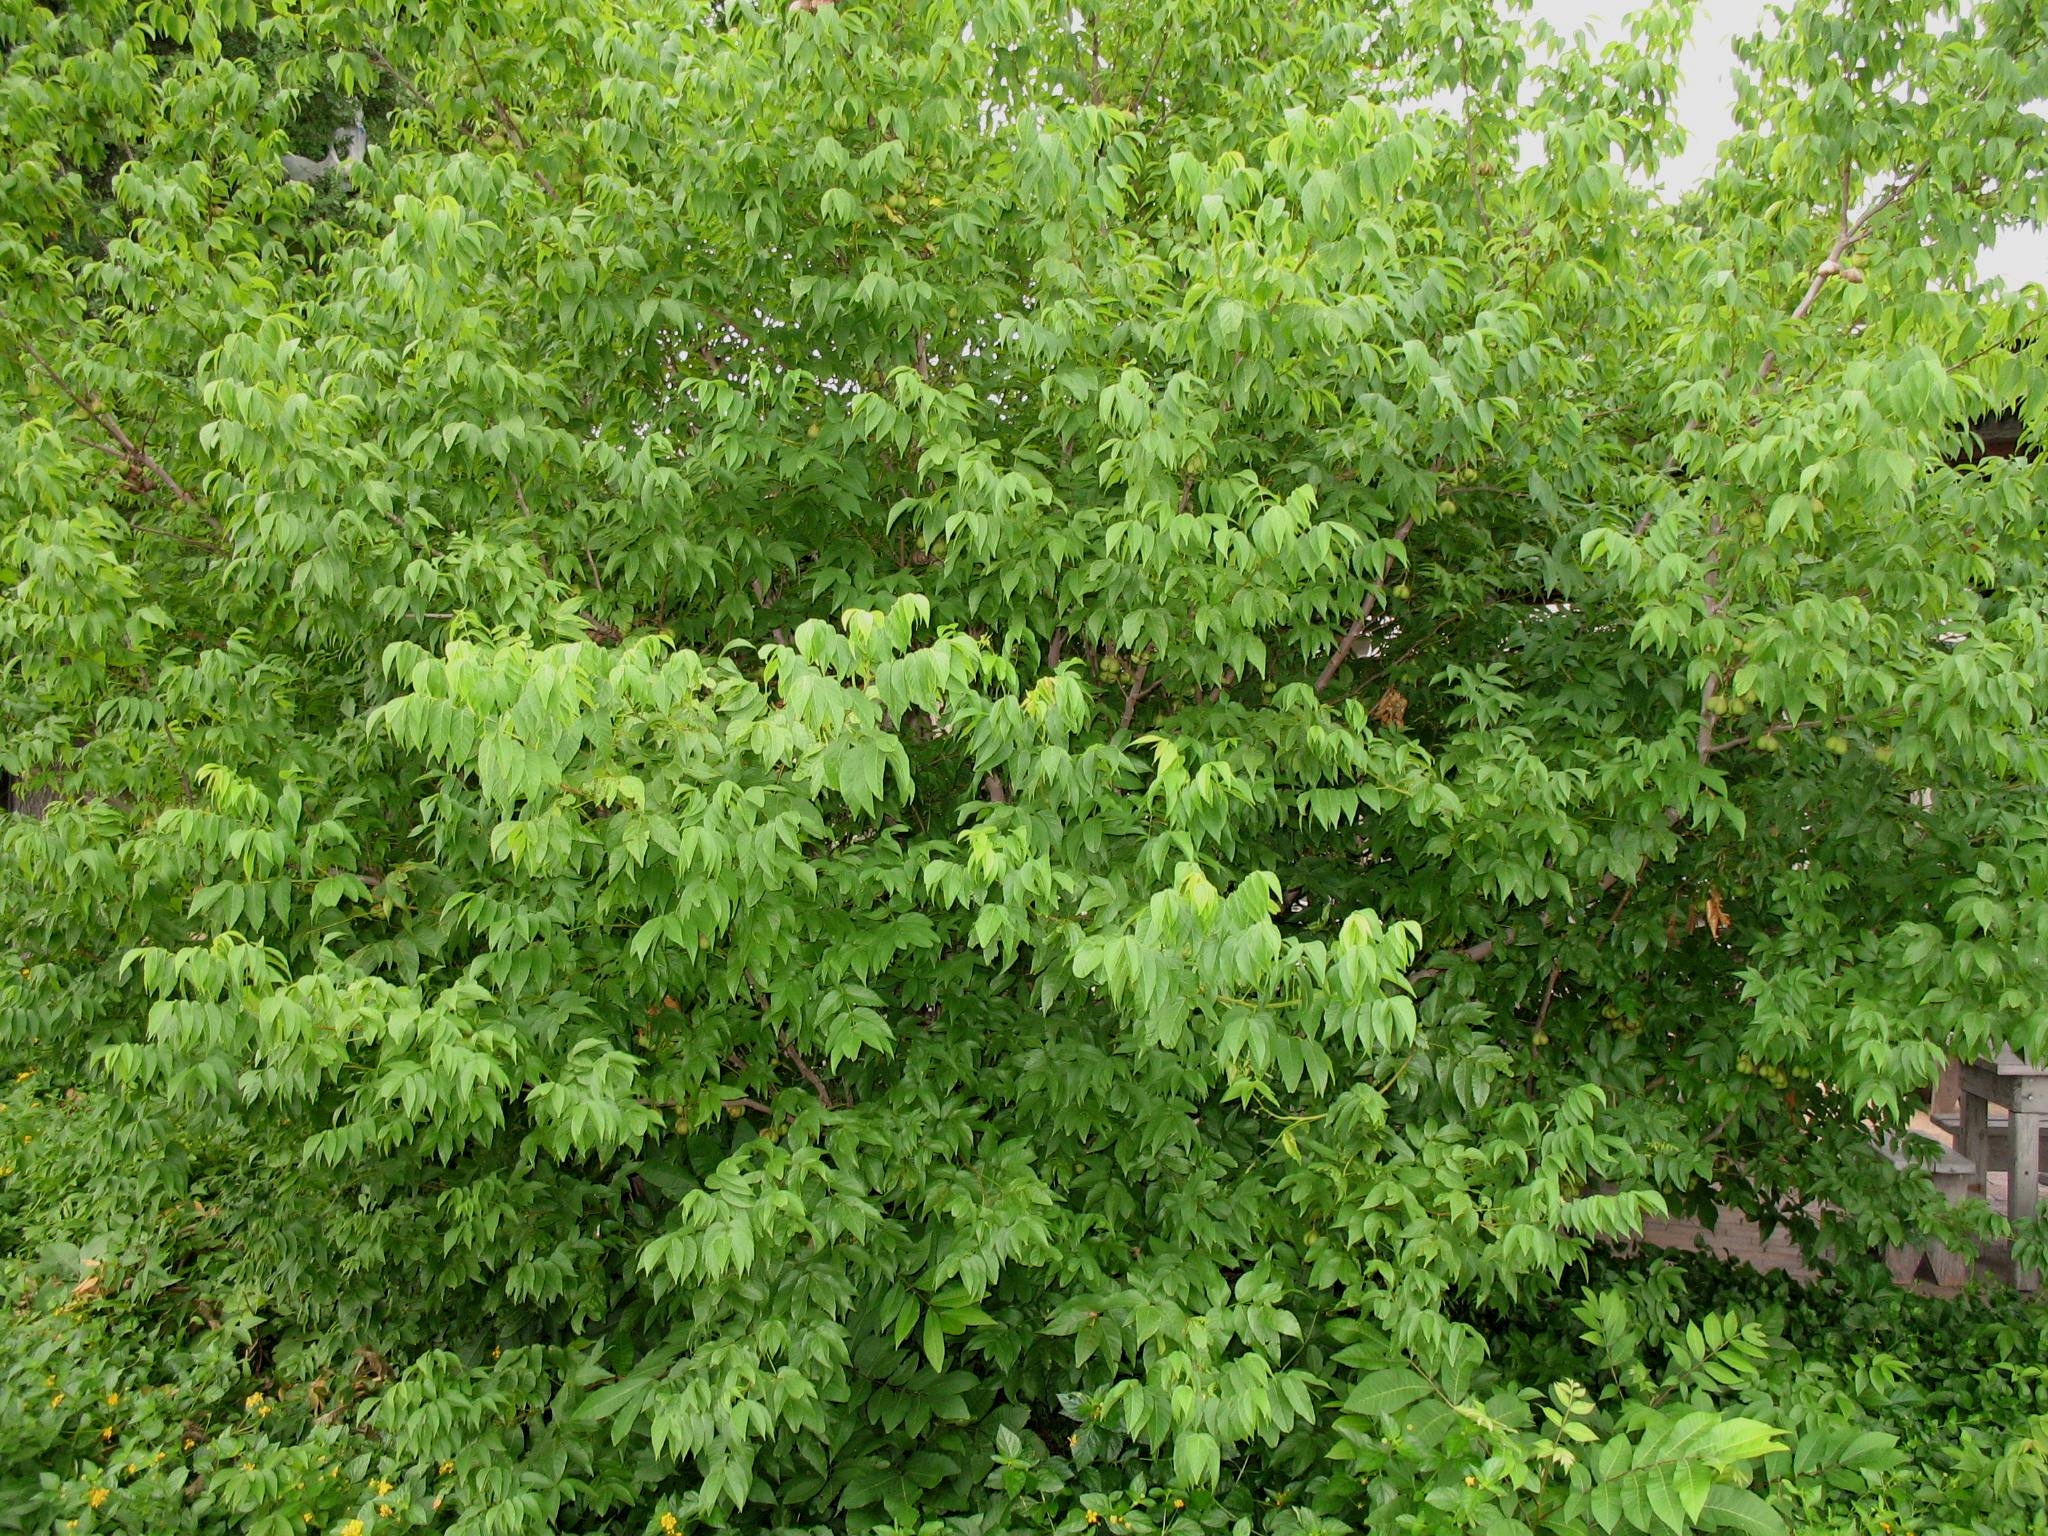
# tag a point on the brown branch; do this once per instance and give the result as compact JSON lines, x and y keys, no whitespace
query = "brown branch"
{"x":507,"y":121}
{"x":1853,"y":234}
{"x":1131,"y":698}
{"x":807,"y":1072}
{"x":1357,"y":628}
{"x":1475,"y":953}
{"x":182,"y":538}
{"x":130,"y":448}
{"x":1159,"y":53}
{"x":1778,"y":728}
{"x":1549,"y":992}
{"x":730,"y":324}
{"x":1615,"y":916}
{"x":377,"y":57}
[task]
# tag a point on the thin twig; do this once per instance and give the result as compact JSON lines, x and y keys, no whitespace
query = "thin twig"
{"x":807,"y":1072}
{"x":1357,"y":628}
{"x":182,"y":538}
{"x":1131,"y":698}
{"x":1549,"y":992}
{"x":129,"y":446}
{"x":377,"y":57}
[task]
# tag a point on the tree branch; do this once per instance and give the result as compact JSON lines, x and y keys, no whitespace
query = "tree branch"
{"x":807,"y":1072}
{"x":130,"y":448}
{"x":1357,"y":628}
{"x":1131,"y":698}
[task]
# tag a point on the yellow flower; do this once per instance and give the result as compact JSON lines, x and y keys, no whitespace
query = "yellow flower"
{"x":97,"y":1497}
{"x":263,"y":1412}
{"x":384,"y":1487}
{"x":669,"y":1521}
{"x":57,"y":1399}
{"x":349,"y":1528}
{"x":1471,"y":1482}
{"x":447,"y":1467}
{"x":22,"y":1077}
{"x":496,"y":1352}
{"x":252,"y":1399}
{"x":1093,"y":1517}
{"x":384,"y":1511}
{"x":190,"y":1442}
{"x":307,"y":1516}
{"x":107,"y":1433}
{"x":113,"y":1399}
{"x":1180,"y":1503}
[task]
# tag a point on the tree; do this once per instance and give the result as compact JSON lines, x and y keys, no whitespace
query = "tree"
{"x":806,"y":751}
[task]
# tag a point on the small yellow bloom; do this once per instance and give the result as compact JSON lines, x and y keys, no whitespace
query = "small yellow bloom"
{"x":349,"y":1528}
{"x":383,"y":1511}
{"x":252,"y":1399}
{"x":1093,"y":1517}
{"x":447,"y":1467}
{"x":496,"y":1352}
{"x":113,"y":1399}
{"x":1180,"y":1503}
{"x":22,"y":1077}
{"x":57,"y":1399}
{"x":307,"y":1517}
{"x":190,"y":1442}
{"x":263,"y":1412}
{"x":384,"y":1487}
{"x":1471,"y":1482}
{"x":97,"y":1497}
{"x":107,"y":1433}
{"x":669,"y":1521}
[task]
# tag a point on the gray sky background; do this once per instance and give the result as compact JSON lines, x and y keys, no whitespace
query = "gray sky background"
{"x":1707,"y":94}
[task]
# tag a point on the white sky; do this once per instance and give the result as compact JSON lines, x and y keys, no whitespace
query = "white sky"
{"x":1707,"y":94}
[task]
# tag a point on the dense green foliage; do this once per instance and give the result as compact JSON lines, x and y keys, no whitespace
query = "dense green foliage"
{"x":975,"y":768}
